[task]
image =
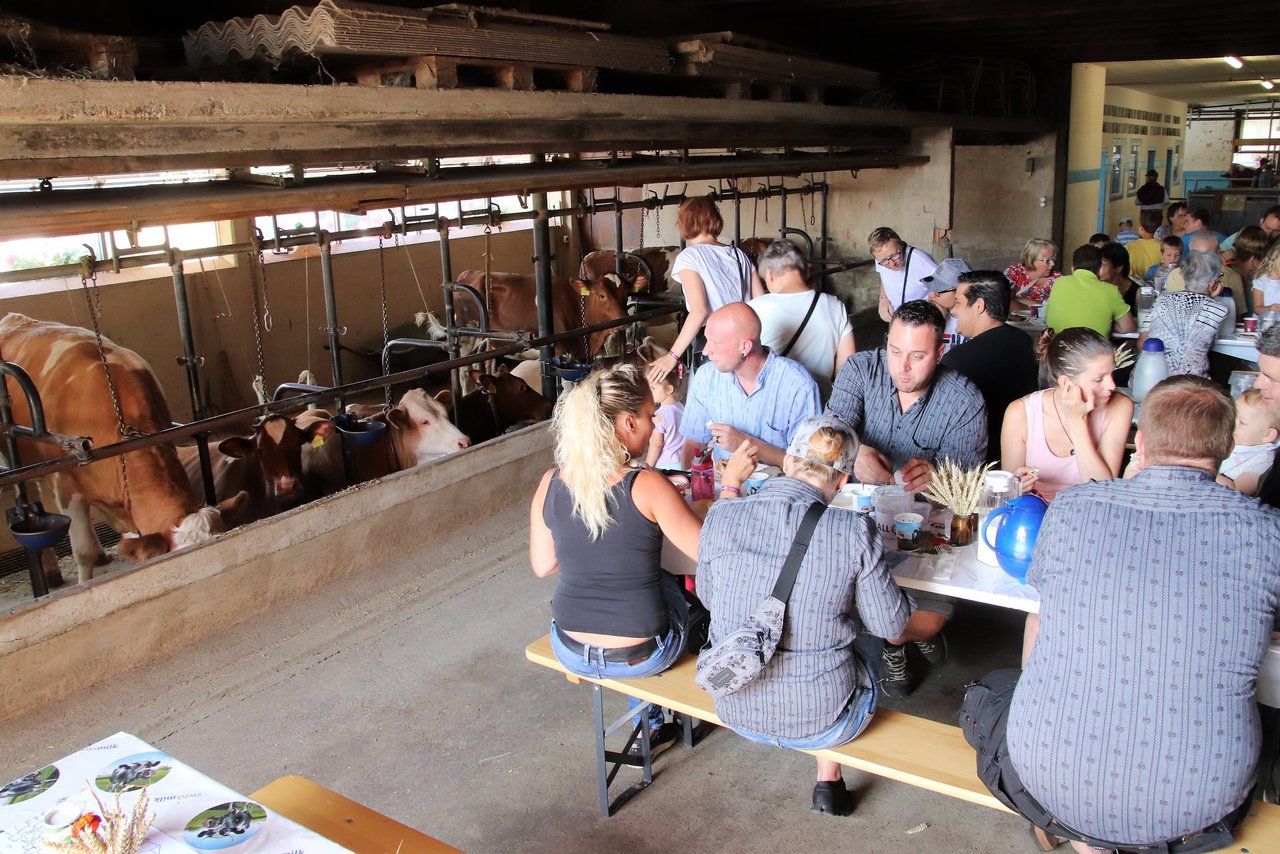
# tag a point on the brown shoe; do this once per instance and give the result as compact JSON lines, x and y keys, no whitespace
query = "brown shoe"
{"x":1044,"y":839}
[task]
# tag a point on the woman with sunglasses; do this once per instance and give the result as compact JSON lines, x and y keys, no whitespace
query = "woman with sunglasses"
{"x":1033,"y":277}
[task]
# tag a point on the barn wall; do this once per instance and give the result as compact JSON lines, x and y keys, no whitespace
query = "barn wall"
{"x":999,"y":204}
{"x":92,"y":633}
{"x":141,"y":314}
{"x":1209,"y":153}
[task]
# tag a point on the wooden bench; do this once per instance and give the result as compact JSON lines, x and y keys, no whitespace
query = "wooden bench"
{"x":917,"y":751}
{"x":342,"y":820}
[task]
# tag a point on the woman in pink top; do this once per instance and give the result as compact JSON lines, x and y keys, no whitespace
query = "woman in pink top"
{"x":1074,"y":430}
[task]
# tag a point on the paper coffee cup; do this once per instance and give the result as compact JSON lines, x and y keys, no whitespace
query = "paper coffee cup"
{"x":906,"y":526}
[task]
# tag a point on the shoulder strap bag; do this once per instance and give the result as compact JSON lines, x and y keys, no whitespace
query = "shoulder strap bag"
{"x":794,"y":338}
{"x":740,"y":656}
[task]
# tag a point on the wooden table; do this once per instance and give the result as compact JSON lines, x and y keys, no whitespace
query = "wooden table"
{"x":961,"y":575}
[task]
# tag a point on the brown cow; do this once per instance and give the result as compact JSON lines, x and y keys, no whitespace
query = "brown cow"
{"x":158,"y":512}
{"x":574,"y":303}
{"x":501,"y":401}
{"x":267,"y":465}
{"x":596,"y":265}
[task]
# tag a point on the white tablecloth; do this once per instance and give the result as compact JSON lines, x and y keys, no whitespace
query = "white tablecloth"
{"x":193,"y":811}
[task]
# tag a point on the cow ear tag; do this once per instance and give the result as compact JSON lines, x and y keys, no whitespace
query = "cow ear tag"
{"x":584,"y":291}
{"x":317,"y":441}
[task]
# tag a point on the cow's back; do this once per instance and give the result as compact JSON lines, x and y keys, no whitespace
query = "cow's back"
{"x":513,"y":301}
{"x":65,"y":366}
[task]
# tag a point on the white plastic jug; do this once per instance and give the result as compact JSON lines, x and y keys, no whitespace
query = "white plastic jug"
{"x":1152,"y":367}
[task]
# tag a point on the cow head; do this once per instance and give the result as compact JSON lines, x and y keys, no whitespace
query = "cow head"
{"x":200,"y":526}
{"x":512,"y":399}
{"x":276,"y":447}
{"x":421,"y":429}
{"x":603,"y":300}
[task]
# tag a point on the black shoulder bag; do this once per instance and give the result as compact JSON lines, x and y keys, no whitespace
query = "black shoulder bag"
{"x":808,"y":314}
{"x":741,"y":656}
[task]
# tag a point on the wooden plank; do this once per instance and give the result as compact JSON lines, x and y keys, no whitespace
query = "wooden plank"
{"x":50,"y":128}
{"x":344,"y":821}
{"x":729,"y":60}
{"x":920,"y":752}
{"x":87,"y":211}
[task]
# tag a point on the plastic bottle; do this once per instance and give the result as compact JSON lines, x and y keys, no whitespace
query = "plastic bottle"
{"x":1152,"y":367}
{"x":702,"y":479}
{"x":1146,"y":301}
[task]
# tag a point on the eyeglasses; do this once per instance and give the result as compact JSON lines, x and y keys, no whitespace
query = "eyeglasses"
{"x":890,"y":259}
{"x":1048,"y":260}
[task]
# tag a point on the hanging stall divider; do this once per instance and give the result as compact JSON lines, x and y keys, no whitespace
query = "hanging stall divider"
{"x":192,"y":364}
{"x":87,"y":455}
{"x":542,"y":291}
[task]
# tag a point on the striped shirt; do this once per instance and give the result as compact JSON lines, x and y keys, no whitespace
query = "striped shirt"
{"x":842,"y":587}
{"x":785,"y":395}
{"x":949,"y":421}
{"x":1134,"y":721}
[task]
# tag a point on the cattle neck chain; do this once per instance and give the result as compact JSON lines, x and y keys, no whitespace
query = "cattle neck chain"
{"x":386,"y":329}
{"x":254,"y":272}
{"x":488,"y":271}
{"x":582,"y":312}
{"x":93,"y":301}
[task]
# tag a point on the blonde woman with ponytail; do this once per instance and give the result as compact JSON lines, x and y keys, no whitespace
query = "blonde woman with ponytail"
{"x":599,"y":523}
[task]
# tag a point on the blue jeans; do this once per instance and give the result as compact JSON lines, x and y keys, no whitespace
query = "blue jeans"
{"x":852,"y":721}
{"x":589,"y":663}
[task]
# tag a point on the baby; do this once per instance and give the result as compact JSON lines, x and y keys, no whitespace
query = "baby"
{"x":667,"y":442}
{"x":1257,"y":432}
{"x":1170,"y":255}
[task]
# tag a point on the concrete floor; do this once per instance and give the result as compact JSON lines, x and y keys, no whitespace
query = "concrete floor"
{"x":407,"y":690}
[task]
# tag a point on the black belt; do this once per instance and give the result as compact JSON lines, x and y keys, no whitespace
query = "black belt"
{"x":611,"y":655}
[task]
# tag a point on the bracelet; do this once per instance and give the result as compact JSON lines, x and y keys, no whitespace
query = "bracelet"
{"x":679,"y":366}
{"x":732,"y":489}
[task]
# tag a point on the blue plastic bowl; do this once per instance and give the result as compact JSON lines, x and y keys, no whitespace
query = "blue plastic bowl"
{"x":357,"y":432}
{"x":40,"y":532}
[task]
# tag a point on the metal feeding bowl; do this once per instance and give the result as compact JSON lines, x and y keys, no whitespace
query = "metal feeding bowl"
{"x":35,"y":529}
{"x":357,"y":432}
{"x":569,"y":370}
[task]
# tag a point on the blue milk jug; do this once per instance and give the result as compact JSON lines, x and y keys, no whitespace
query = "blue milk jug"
{"x":1016,"y":538}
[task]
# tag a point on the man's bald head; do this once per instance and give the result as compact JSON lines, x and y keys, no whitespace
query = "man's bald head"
{"x":733,"y":335}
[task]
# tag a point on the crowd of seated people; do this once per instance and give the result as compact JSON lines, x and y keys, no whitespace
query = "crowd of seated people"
{"x":1047,"y":410}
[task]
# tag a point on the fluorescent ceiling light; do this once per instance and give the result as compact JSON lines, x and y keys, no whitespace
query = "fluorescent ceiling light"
{"x":1267,"y":84}
{"x":1233,"y":62}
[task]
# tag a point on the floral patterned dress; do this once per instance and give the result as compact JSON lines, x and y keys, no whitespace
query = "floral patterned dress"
{"x":1020,"y":277}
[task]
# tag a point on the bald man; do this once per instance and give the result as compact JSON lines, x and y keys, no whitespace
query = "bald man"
{"x":745,"y":391}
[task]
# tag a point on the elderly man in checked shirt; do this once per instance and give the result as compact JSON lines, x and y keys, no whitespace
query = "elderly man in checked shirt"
{"x":910,"y":412}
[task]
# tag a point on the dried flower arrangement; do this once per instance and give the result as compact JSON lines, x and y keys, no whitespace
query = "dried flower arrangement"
{"x":956,"y":487}
{"x":108,"y":831}
{"x":1124,"y":356}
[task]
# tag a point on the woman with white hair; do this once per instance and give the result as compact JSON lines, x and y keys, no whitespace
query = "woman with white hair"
{"x":599,"y":523}
{"x":819,"y":689}
{"x":1187,"y":321}
{"x":1033,"y":277}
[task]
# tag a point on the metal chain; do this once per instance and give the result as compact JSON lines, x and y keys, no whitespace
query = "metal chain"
{"x":254,"y":272}
{"x":586,"y":339}
{"x":266,"y":299}
{"x":755,"y":209}
{"x":386,"y":329}
{"x":802,"y":205}
{"x":644,"y":217}
{"x":813,"y":204}
{"x":488,"y":272}
{"x":93,"y":300}
{"x":764,"y":194}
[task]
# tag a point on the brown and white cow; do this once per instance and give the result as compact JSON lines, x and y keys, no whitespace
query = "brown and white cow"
{"x":596,"y":265}
{"x":501,"y":401}
{"x":158,"y":512}
{"x":267,"y":465}
{"x":575,"y":303}
{"x":418,"y":430}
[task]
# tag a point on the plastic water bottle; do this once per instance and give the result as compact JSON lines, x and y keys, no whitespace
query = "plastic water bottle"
{"x":1152,"y":367}
{"x":702,"y":480}
{"x":1227,"y":328}
{"x":1146,"y":302}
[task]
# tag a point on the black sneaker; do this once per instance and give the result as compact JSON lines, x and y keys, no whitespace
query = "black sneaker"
{"x":895,"y":682}
{"x":658,"y":739}
{"x":830,"y":797}
{"x":934,"y":650}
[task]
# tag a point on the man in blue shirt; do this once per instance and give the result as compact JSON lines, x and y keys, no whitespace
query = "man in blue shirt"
{"x":745,"y":391}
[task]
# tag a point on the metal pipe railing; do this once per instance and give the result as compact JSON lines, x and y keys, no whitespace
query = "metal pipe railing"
{"x":294,"y":404}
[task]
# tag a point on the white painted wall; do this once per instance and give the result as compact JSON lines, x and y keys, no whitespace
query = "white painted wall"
{"x":999,"y":205}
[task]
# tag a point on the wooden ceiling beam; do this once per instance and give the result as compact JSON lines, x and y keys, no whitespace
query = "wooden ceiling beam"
{"x":52,"y":128}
